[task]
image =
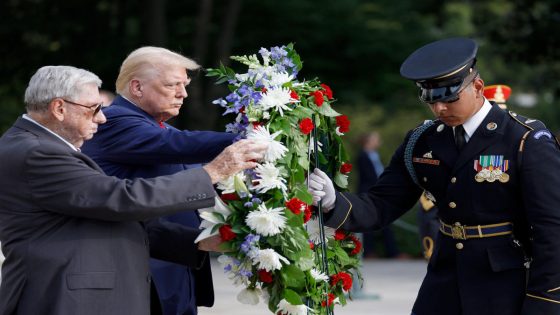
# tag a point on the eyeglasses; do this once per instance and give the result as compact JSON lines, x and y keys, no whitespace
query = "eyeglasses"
{"x":96,"y":107}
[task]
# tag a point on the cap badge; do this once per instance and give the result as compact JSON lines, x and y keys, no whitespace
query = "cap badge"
{"x":491,"y":126}
{"x":491,"y":168}
{"x":440,"y":128}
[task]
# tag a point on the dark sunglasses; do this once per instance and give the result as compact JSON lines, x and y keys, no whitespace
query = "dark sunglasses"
{"x":96,"y":107}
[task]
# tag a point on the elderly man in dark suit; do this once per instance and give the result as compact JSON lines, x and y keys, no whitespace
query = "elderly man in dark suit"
{"x":71,"y":234}
{"x":136,"y":142}
{"x":494,"y":178}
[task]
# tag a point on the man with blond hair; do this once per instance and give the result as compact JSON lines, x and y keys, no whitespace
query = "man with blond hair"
{"x":137,"y":142}
{"x":71,"y":234}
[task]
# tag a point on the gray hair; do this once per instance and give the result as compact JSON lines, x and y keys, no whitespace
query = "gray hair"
{"x":50,"y":82}
{"x":147,"y":61}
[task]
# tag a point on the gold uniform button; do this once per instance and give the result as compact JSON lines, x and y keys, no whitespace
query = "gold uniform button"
{"x":452,"y":205}
{"x":459,"y":245}
{"x":453,"y":180}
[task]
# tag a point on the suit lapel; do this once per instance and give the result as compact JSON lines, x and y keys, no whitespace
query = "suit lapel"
{"x":25,"y":124}
{"x":443,"y":145}
{"x":483,"y":137}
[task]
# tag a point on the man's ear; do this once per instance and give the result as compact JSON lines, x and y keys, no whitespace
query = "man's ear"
{"x":479,"y":87}
{"x":135,"y":88}
{"x":57,"y":109}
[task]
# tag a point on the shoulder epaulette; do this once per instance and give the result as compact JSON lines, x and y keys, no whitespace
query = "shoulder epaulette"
{"x":529,"y":123}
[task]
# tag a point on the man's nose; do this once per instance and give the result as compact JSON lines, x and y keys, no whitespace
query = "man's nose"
{"x":100,"y":118}
{"x":183,"y":91}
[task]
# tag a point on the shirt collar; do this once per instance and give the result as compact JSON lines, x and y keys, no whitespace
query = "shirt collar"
{"x":27,"y":117}
{"x":472,"y":124}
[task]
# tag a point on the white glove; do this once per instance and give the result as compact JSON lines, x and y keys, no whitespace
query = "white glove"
{"x":322,"y":189}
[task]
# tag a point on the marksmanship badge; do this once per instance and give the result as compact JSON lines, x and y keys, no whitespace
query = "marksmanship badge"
{"x":491,"y":168}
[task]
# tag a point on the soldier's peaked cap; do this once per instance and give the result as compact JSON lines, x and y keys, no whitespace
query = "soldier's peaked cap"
{"x":446,"y":60}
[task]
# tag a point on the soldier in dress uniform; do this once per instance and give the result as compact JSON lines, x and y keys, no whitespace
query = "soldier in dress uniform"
{"x":493,"y":176}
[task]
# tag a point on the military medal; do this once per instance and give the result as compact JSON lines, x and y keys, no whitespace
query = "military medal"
{"x":491,"y":168}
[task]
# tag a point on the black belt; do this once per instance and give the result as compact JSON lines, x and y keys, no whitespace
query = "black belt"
{"x":463,"y":232}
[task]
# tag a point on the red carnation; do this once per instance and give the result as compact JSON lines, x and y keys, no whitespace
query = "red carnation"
{"x":328,"y":91}
{"x":295,"y":205}
{"x":294,"y":95}
{"x":339,"y":235}
{"x":357,"y":245}
{"x":343,"y":123}
{"x":311,"y":245}
{"x":306,"y":214}
{"x":319,"y":99}
{"x":345,"y":168}
{"x":343,"y":277}
{"x":265,"y":276}
{"x":331,"y":299}
{"x":228,"y":197}
{"x":226,"y":234}
{"x":306,"y":125}
{"x":264,"y":90}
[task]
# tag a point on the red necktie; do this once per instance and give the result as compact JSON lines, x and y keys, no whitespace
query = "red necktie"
{"x":161,"y":125}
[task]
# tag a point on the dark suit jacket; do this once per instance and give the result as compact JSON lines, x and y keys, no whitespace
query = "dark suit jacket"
{"x":70,"y":233}
{"x":478,"y":276}
{"x":366,"y":172}
{"x":132,"y":144}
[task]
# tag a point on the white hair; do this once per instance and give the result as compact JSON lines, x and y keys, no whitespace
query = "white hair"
{"x":147,"y":61}
{"x":50,"y":82}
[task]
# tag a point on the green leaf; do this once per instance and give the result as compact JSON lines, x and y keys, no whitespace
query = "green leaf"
{"x":302,"y":194}
{"x":326,"y":110}
{"x":341,"y":180}
{"x":292,"y":297}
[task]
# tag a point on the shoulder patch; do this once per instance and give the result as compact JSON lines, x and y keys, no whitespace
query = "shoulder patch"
{"x":542,"y":133}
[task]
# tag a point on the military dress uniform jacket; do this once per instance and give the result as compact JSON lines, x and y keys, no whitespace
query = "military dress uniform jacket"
{"x":71,"y":234}
{"x":477,"y":276}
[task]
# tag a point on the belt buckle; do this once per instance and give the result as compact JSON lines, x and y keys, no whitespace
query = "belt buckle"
{"x":458,"y":232}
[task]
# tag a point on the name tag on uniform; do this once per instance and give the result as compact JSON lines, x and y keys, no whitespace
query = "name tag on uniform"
{"x":425,"y":161}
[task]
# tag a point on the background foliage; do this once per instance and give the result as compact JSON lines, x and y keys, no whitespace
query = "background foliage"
{"x":355,"y":45}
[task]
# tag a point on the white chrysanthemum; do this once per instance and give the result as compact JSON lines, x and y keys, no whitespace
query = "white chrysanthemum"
{"x":278,"y":79}
{"x":313,"y":230}
{"x":275,"y":150}
{"x":269,"y":260}
{"x":285,"y":308}
{"x":276,"y":98}
{"x":249,"y":296}
{"x":269,"y":178}
{"x":319,"y":276}
{"x":266,"y":221}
